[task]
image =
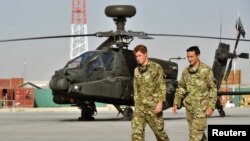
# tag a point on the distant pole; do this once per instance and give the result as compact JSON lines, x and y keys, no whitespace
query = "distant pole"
{"x":78,"y":45}
{"x":234,"y":69}
{"x":24,"y":70}
{"x":220,"y":23}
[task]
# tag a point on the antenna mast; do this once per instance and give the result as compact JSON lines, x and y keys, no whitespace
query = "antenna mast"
{"x":220,"y":23}
{"x":78,"y":45}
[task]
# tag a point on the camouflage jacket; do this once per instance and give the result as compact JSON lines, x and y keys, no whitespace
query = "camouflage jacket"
{"x":149,"y":87}
{"x":197,"y":89}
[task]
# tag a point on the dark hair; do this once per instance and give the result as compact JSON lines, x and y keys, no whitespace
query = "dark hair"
{"x":195,"y":49}
{"x":140,"y":48}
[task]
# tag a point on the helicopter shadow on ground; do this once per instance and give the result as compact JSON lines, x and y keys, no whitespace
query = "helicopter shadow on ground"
{"x":231,"y":116}
{"x":118,"y":119}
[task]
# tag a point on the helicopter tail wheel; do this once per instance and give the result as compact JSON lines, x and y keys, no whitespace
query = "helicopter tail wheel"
{"x":88,"y":110}
{"x":219,"y":107}
{"x":127,"y":113}
{"x":221,"y":112}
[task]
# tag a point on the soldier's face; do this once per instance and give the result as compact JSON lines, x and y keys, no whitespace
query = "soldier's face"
{"x":193,"y":59}
{"x":141,"y":57}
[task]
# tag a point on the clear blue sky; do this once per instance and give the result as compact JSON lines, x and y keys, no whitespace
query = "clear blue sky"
{"x":37,"y":60}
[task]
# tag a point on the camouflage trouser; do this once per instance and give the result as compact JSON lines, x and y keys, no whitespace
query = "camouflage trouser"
{"x":155,"y":122}
{"x":197,"y":125}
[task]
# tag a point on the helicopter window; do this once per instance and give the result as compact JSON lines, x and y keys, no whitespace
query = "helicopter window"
{"x":77,"y":61}
{"x":87,"y":55}
{"x":74,"y":64}
{"x":108,"y":60}
{"x":93,"y":65}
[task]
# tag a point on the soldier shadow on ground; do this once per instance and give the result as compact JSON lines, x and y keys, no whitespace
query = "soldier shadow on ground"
{"x":119,"y":119}
{"x":174,"y":118}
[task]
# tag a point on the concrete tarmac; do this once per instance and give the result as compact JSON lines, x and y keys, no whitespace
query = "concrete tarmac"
{"x":61,"y":124}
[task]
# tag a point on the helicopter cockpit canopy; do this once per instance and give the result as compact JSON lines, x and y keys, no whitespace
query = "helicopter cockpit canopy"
{"x":93,"y":59}
{"x":76,"y":62}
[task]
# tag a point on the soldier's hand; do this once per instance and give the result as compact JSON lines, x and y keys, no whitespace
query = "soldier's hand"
{"x":158,"y":107}
{"x":209,"y":112}
{"x":174,"y":109}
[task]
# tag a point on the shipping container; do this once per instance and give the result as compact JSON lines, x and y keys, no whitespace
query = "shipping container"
{"x":4,"y":83}
{"x":15,"y":82}
{"x":233,"y":78}
{"x":7,"y":97}
{"x":1,"y":94}
{"x":238,"y":100}
{"x":24,"y":97}
{"x":246,"y":100}
{"x":1,"y":98}
{"x":224,"y":98}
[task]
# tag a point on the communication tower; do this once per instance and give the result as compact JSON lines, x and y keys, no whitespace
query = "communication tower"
{"x":78,"y":45}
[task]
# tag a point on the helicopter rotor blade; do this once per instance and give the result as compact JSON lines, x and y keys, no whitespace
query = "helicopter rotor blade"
{"x":228,"y":70}
{"x":47,"y":37}
{"x":241,"y":31}
{"x":234,"y":55}
{"x":194,"y":36}
{"x":244,"y":55}
{"x":140,"y":35}
{"x":230,"y":63}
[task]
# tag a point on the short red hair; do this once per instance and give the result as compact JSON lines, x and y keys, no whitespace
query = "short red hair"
{"x":141,"y":48}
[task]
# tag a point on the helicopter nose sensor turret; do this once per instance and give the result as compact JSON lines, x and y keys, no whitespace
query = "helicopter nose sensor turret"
{"x":59,"y":81}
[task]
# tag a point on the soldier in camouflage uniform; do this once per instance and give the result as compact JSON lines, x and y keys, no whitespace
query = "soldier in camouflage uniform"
{"x":149,"y":94}
{"x":197,"y":89}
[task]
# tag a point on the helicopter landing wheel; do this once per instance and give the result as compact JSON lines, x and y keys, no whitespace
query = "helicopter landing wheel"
{"x":127,"y":113}
{"x":88,"y":109}
{"x":86,"y":117}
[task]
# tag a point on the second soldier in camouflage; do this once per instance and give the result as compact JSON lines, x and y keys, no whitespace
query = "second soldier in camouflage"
{"x":197,"y":89}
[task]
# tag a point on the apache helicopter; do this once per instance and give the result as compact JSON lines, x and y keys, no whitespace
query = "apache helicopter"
{"x":106,"y":74}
